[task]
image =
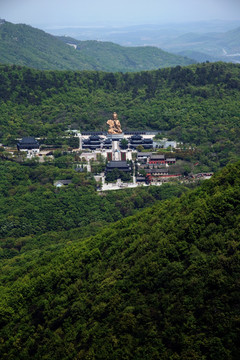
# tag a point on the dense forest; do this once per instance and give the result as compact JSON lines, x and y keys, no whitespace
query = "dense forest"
{"x":161,"y":284}
{"x":31,"y":206}
{"x":196,"y":105}
{"x":24,"y":45}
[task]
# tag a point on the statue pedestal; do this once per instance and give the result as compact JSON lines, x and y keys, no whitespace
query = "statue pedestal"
{"x":115,"y":137}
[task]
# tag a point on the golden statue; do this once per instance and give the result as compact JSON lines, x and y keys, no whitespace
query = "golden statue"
{"x":114,"y":125}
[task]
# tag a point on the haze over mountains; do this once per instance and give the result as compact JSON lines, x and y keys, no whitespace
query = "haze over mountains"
{"x":212,"y":41}
{"x":24,"y":45}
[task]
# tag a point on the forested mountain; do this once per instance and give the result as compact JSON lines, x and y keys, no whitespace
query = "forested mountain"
{"x":197,"y":105}
{"x":24,"y":45}
{"x":162,"y":284}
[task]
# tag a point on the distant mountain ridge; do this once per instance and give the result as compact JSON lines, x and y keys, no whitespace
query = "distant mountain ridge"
{"x":221,"y":46}
{"x":202,"y":41}
{"x":24,"y":45}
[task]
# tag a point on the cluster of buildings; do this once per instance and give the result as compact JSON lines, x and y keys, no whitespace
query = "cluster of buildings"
{"x":96,"y":141}
{"x":154,"y":159}
{"x":117,"y":153}
{"x":124,"y":155}
{"x":154,"y":166}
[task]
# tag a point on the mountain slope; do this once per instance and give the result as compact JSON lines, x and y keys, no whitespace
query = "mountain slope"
{"x":163,"y":284}
{"x":23,"y":45}
{"x":146,"y":57}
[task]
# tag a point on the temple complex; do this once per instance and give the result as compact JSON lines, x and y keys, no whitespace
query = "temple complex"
{"x":125,"y":155}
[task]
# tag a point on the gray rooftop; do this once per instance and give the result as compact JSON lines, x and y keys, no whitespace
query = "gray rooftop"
{"x":158,"y":170}
{"x":142,"y":154}
{"x":157,"y":157}
{"x":117,"y":164}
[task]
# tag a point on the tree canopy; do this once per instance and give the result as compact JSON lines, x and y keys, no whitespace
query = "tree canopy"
{"x":160,"y":284}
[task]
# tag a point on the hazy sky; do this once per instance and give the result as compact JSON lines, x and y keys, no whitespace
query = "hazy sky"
{"x":83,"y":12}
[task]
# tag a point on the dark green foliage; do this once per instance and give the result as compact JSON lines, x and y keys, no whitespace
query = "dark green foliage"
{"x":23,"y":45}
{"x":163,"y":284}
{"x":117,"y":174}
{"x":124,"y":144}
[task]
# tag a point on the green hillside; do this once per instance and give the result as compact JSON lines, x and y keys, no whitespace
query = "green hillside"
{"x":163,"y":284}
{"x":197,"y":105}
{"x":24,"y":45}
{"x":114,"y":57}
